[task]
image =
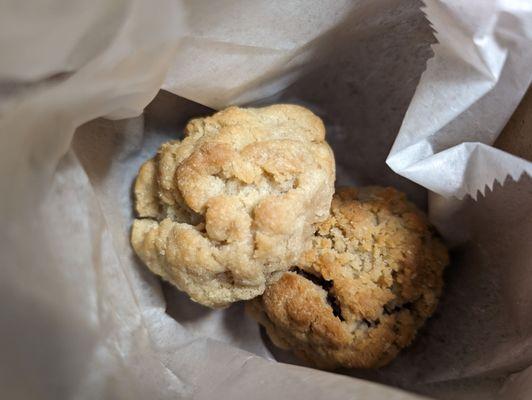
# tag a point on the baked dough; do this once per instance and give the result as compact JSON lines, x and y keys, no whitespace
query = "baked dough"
{"x":371,"y":279}
{"x":234,"y":201}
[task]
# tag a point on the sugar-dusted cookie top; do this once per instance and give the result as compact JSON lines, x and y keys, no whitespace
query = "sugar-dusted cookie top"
{"x":234,"y":201}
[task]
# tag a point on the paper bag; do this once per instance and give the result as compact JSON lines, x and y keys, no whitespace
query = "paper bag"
{"x":82,"y":318}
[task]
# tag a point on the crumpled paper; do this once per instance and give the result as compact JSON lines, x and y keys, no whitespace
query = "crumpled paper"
{"x":82,"y":318}
{"x":480,"y":70}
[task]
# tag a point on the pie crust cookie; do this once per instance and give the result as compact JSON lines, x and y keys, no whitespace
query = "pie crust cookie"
{"x":233,"y":202}
{"x":371,"y":279}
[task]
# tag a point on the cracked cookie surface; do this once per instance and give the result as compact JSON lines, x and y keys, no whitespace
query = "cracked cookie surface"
{"x":371,"y":279}
{"x":234,"y":201}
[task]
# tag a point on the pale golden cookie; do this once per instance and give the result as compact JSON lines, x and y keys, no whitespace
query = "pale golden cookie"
{"x":371,"y":279}
{"x":234,"y":201}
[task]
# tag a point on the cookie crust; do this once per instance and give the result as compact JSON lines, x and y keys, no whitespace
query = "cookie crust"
{"x":371,"y":279}
{"x":234,"y":201}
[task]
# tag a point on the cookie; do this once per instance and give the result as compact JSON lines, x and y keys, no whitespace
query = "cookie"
{"x":371,"y":279}
{"x":234,"y":201}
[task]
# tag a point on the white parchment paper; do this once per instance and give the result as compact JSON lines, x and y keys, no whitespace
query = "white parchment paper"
{"x":481,"y":68}
{"x":80,"y":317}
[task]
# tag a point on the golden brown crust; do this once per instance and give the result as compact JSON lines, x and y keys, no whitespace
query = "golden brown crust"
{"x":372,"y":277}
{"x":234,"y":201}
{"x":147,"y":204}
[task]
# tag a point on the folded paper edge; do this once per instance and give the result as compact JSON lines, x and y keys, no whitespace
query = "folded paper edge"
{"x":462,"y":191}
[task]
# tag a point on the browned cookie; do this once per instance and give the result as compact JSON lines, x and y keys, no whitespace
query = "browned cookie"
{"x":234,"y":201}
{"x":371,"y":279}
